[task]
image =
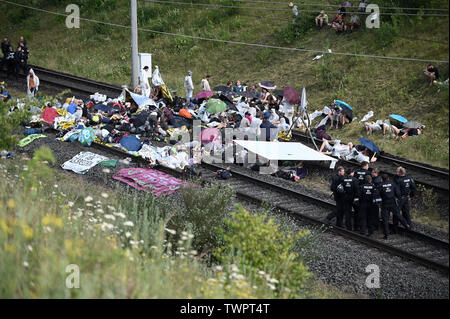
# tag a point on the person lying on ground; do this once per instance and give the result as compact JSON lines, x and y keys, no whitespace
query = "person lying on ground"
{"x":408,"y":132}
{"x":431,"y":73}
{"x":224,"y":173}
{"x":372,"y":126}
{"x":338,"y":149}
{"x":362,"y":154}
{"x":322,"y":19}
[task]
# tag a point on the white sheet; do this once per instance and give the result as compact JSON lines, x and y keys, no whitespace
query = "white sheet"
{"x":285,"y":151}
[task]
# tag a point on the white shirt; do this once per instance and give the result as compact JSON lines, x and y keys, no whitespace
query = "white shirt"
{"x":188,"y":85}
{"x":205,"y":85}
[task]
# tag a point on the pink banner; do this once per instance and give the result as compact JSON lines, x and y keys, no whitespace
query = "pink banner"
{"x":146,"y":179}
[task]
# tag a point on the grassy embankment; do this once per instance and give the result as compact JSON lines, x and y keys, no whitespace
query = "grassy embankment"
{"x":102,"y":52}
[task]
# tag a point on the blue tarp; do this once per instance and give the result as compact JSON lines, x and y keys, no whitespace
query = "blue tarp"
{"x":131,"y":143}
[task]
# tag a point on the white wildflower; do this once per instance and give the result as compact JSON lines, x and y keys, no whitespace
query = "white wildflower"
{"x":190,"y":236}
{"x":70,"y":204}
{"x":262,"y":273}
{"x":111,"y":207}
{"x":219,"y":268}
{"x":29,"y":248}
{"x":184,"y":233}
{"x":26,"y":264}
{"x":127,"y":234}
{"x":273,"y":281}
{"x":193,"y":252}
{"x":170,"y":231}
{"x":55,"y":186}
{"x":271,"y":286}
{"x":128,"y":223}
{"x":105,"y":195}
{"x":99,"y":210}
{"x":107,"y":216}
{"x":234,"y":268}
{"x":121,"y":215}
{"x":88,"y":199}
{"x":184,"y":237}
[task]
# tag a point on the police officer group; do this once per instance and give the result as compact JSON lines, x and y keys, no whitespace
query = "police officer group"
{"x":360,"y":194}
{"x":15,"y":60}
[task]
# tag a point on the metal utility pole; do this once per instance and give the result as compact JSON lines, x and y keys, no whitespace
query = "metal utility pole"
{"x":134,"y":45}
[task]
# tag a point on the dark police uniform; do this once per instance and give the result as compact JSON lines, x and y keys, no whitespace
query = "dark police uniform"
{"x":350,"y":190}
{"x":359,"y":175}
{"x":338,"y":197}
{"x":389,"y":191}
{"x":407,"y":189}
{"x":367,"y":194}
{"x":377,"y":181}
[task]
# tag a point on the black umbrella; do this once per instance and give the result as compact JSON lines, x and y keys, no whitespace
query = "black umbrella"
{"x":267,"y":85}
{"x":278,"y":92}
{"x":346,"y":111}
{"x":412,"y":124}
{"x":247,"y":94}
{"x":226,"y":98}
{"x":222,"y":88}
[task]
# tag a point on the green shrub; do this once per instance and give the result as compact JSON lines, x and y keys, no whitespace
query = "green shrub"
{"x":205,"y":212}
{"x":266,"y":254}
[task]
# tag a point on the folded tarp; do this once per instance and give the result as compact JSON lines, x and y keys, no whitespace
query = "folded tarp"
{"x":30,"y":138}
{"x":288,"y":151}
{"x":149,"y":180}
{"x":83,"y":161}
{"x":131,"y":143}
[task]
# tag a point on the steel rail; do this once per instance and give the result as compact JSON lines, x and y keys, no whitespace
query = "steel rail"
{"x":388,"y":159}
{"x":338,"y":230}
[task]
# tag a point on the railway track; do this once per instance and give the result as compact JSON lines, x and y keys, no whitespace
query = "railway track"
{"x":416,"y":247}
{"x":411,"y":245}
{"x":424,"y":174}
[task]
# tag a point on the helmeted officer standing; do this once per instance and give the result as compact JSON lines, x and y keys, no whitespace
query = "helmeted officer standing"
{"x":389,"y":191}
{"x":338,"y":193}
{"x":376,"y":180}
{"x":367,"y":193}
{"x":360,"y":174}
{"x":350,"y":185}
{"x":407,"y":189}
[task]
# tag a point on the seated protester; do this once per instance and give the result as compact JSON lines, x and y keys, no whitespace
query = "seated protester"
{"x":255,"y":92}
{"x":335,"y":115}
{"x":266,"y":128}
{"x":265,"y":98}
{"x":274,"y":117}
{"x":246,"y":121}
{"x":354,"y":22}
{"x":339,"y":25}
{"x":321,"y":133}
{"x":322,"y":19}
{"x":338,"y":149}
{"x":283,"y":126}
{"x":362,"y":5}
{"x":372,"y":126}
{"x":408,"y":132}
{"x":431,"y":73}
{"x":238,"y":88}
{"x":224,"y":173}
{"x":230,"y":85}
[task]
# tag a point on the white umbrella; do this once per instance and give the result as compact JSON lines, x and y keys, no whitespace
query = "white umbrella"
{"x":303,"y":102}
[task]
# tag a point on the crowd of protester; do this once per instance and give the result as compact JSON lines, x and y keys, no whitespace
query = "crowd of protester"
{"x":345,"y":20}
{"x":15,"y":59}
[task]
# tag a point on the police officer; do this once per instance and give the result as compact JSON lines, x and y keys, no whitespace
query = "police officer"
{"x":389,"y":191}
{"x":367,"y":193}
{"x":338,"y":193}
{"x":360,"y":174}
{"x":407,"y":189}
{"x":350,"y":185}
{"x":376,"y":179}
